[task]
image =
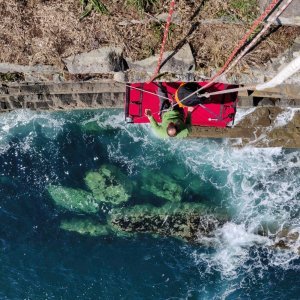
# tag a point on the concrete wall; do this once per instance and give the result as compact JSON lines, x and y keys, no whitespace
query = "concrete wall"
{"x":55,"y":96}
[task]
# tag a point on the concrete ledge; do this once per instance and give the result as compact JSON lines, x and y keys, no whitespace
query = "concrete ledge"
{"x":258,"y":129}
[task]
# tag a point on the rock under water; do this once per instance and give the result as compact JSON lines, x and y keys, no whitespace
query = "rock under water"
{"x":76,"y":200}
{"x":109,"y":185}
{"x":186,"y":221}
{"x":86,"y":227}
{"x":162,"y":186}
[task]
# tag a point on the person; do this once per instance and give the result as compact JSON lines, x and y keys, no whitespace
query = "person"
{"x":173,"y":123}
{"x":187,"y":95}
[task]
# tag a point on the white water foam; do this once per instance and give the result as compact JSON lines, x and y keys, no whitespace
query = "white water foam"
{"x":128,"y":134}
{"x":16,"y":121}
{"x":265,"y":191}
{"x":285,"y":117}
{"x":242,"y":113}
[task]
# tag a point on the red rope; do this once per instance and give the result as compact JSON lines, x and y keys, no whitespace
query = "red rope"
{"x":172,"y":5}
{"x":256,"y":23}
{"x":270,"y":20}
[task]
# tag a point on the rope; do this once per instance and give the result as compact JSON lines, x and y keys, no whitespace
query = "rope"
{"x":145,"y":91}
{"x":256,"y":23}
{"x":245,"y":88}
{"x":289,"y":70}
{"x":271,"y":20}
{"x":242,"y":42}
{"x":172,"y":5}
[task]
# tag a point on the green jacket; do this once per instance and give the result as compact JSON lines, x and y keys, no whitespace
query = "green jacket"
{"x":176,"y":117}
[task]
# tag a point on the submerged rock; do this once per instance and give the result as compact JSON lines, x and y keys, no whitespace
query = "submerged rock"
{"x":92,"y":127}
{"x":85,"y":227}
{"x":161,"y":186}
{"x":73,"y":199}
{"x":185,"y":221}
{"x":288,"y":238}
{"x":92,"y":228}
{"x":109,"y":185}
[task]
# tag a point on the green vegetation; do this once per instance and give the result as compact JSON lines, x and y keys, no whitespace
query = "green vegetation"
{"x":90,"y":5}
{"x":73,"y":199}
{"x":85,"y":227}
{"x":162,"y":186}
{"x":246,"y":11}
{"x":91,"y":227}
{"x":141,"y":5}
{"x":109,"y":185}
{"x":12,"y":77}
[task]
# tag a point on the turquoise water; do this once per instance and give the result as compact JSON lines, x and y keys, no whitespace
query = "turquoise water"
{"x":39,"y":260}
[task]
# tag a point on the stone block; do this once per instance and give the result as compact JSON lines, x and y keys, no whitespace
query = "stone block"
{"x":30,"y":105}
{"x":102,"y":60}
{"x":182,"y":62}
{"x":4,"y":105}
{"x":42,"y":105}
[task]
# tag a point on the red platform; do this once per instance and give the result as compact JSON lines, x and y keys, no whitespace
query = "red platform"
{"x":219,"y":112}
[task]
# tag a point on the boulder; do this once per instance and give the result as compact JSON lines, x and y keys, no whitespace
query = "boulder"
{"x":102,"y":60}
{"x":288,"y":238}
{"x":92,"y":227}
{"x":186,"y":221}
{"x":12,"y":68}
{"x":182,"y":62}
{"x":85,"y":227}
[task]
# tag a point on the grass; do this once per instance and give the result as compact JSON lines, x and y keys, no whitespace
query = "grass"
{"x":90,"y":5}
{"x":153,"y":42}
{"x":246,"y":10}
{"x":239,"y":10}
{"x":142,"y":5}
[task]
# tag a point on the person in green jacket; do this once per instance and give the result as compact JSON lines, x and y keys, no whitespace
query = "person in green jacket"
{"x":173,"y":123}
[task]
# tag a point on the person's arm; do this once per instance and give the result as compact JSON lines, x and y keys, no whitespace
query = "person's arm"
{"x":188,"y":120}
{"x":157,"y":129}
{"x":153,"y":123}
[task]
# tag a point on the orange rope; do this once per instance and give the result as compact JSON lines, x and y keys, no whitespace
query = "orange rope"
{"x":172,"y":5}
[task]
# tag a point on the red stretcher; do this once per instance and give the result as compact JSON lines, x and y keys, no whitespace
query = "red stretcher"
{"x":219,"y":111}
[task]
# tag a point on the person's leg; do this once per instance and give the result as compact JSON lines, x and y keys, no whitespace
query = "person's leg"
{"x":187,"y":92}
{"x":162,"y":94}
{"x":178,"y":108}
